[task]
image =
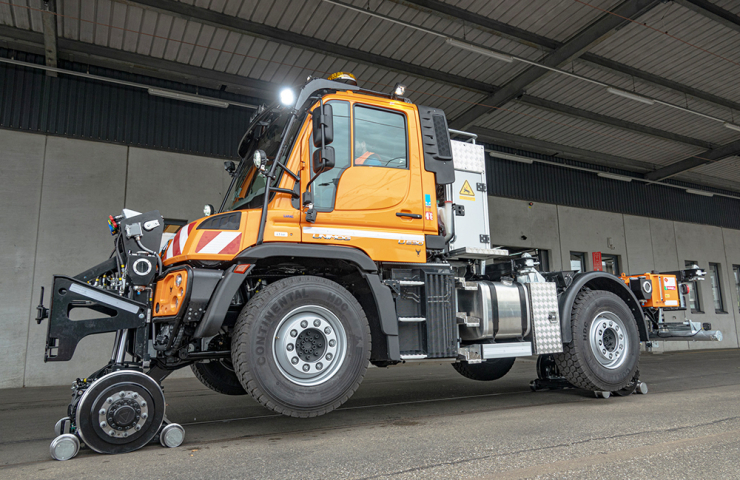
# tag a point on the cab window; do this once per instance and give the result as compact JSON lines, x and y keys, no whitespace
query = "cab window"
{"x":380,"y":138}
{"x":325,"y":186}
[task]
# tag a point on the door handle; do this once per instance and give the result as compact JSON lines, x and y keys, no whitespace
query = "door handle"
{"x":410,"y":215}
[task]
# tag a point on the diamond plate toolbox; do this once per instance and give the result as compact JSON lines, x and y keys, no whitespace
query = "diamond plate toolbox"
{"x":543,"y":302}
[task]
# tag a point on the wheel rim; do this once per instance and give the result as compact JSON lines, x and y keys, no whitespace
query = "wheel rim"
{"x":609,"y":340}
{"x":310,"y":345}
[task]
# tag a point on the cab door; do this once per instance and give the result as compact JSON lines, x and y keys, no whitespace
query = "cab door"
{"x":372,"y":198}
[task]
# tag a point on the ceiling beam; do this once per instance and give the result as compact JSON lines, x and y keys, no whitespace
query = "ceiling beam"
{"x":75,"y":51}
{"x":712,"y":11}
{"x":710,"y":156}
{"x":538,"y":41}
{"x":286,"y":37}
{"x":49,"y":24}
{"x":610,"y":121}
{"x":554,"y":149}
{"x":594,"y":158}
{"x":571,"y":49}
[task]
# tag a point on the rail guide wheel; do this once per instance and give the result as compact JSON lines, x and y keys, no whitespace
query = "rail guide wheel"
{"x":120,"y":412}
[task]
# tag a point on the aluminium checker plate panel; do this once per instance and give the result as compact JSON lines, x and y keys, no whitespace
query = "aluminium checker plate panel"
{"x":543,"y":298}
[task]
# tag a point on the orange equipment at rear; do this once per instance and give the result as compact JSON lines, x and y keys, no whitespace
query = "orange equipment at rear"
{"x":654,"y":290}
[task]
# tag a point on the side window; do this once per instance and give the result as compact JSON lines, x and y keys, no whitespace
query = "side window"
{"x":380,"y":138}
{"x":325,"y":187}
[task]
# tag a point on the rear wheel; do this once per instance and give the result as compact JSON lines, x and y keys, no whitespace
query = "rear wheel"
{"x":605,"y":350}
{"x":301,"y":346}
{"x":489,"y":370}
{"x":218,"y":375}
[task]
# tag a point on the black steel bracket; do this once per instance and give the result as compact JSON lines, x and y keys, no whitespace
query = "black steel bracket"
{"x":64,"y":334}
{"x":481,"y":187}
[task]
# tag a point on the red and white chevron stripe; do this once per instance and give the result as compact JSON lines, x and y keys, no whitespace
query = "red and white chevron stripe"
{"x":177,"y":245}
{"x":219,"y":243}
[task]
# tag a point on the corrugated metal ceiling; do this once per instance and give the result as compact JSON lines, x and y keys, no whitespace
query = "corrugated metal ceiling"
{"x":131,"y":28}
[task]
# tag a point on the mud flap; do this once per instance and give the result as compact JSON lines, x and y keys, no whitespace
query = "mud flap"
{"x":64,"y":334}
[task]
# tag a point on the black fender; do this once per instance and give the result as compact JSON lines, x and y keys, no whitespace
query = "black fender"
{"x":599,"y":281}
{"x":230,"y":283}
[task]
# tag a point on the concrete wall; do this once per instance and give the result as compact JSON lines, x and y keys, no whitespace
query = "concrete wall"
{"x":56,"y":195}
{"x":642,"y":244}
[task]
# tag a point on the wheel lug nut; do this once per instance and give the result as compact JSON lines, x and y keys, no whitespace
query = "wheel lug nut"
{"x":122,"y":394}
{"x":290,"y":347}
{"x":144,"y":415}
{"x":599,"y":342}
{"x":143,"y":404}
{"x":108,"y":400}
{"x":306,"y":368}
{"x":294,"y":360}
{"x":332,"y":343}
{"x":304,"y":324}
{"x":621,"y":336}
{"x":112,"y":433}
{"x":327,"y":330}
{"x":316,"y":322}
{"x":293,"y":333}
{"x":102,"y":411}
{"x":137,"y":427}
{"x":603,"y":350}
{"x":319,"y":366}
{"x":102,"y":424}
{"x":135,"y":395}
{"x":329,"y":356}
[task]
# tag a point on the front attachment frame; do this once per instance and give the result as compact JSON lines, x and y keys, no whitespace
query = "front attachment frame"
{"x":63,"y":333}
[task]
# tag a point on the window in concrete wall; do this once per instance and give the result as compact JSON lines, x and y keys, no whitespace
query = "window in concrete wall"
{"x":578,"y":261}
{"x":693,"y":291}
{"x":736,"y":271}
{"x":610,"y":263}
{"x":715,"y":278}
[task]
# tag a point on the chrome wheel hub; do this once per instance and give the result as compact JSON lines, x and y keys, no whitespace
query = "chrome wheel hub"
{"x":310,"y":345}
{"x":608,"y":340}
{"x":123,"y":414}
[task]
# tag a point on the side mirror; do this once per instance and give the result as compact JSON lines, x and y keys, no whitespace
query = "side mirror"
{"x":323,"y":160}
{"x":323,"y":119}
{"x":230,"y":168}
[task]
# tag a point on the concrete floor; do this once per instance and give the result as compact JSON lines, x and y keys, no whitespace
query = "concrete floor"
{"x":423,"y":421}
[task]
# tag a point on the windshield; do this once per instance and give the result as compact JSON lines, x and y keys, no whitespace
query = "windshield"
{"x":249,"y":187}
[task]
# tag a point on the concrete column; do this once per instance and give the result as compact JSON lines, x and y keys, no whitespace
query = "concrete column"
{"x":21,"y":167}
{"x":83,"y":183}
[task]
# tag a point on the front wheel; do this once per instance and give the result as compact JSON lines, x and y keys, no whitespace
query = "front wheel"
{"x":605,"y":350}
{"x":301,"y":346}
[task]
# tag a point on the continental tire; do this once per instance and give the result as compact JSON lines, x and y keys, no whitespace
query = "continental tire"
{"x":489,"y":370}
{"x":219,"y":376}
{"x":301,"y":346}
{"x":605,"y":350}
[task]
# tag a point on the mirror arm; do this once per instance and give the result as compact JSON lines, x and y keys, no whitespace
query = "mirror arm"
{"x":289,"y":172}
{"x":293,"y":193}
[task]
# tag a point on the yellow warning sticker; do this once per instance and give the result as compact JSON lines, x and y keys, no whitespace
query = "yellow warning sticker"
{"x":466,"y":192}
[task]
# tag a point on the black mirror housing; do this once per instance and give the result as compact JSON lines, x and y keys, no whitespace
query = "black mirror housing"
{"x":230,"y":167}
{"x":325,"y":119}
{"x":323,"y":160}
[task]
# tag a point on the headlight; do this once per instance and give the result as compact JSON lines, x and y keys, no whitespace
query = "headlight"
{"x":208,"y":210}
{"x":257,"y":159}
{"x":287,"y":97}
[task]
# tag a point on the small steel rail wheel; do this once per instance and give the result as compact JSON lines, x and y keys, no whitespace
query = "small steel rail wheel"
{"x":485,"y":371}
{"x":301,"y":346}
{"x":120,"y":412}
{"x":605,"y":351}
{"x":172,"y":435}
{"x":64,"y":447}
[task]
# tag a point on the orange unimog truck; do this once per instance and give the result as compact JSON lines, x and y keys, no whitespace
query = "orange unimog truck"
{"x":354,"y":232}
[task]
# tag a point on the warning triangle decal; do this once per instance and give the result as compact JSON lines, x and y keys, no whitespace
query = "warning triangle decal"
{"x":466,"y":190}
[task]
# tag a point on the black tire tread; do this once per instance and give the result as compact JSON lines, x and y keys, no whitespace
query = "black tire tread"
{"x":207,"y":379}
{"x":486,"y":371}
{"x":571,"y":363}
{"x":249,"y":314}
